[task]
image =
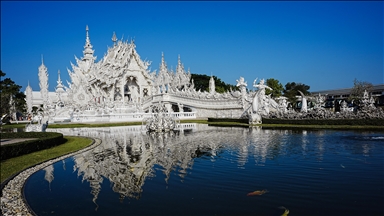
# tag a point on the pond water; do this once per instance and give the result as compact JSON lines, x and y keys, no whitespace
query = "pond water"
{"x":205,"y":170}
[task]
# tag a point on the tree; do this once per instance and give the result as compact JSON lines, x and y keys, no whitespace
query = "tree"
{"x":292,"y":90}
{"x":8,"y":89}
{"x":277,"y":88}
{"x":358,"y":89}
{"x":202,"y":82}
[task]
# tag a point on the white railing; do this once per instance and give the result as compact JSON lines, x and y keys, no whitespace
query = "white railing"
{"x":186,"y":126}
{"x":184,"y":115}
{"x":127,"y":117}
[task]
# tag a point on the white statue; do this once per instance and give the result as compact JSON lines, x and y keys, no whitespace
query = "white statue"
{"x":243,"y":89}
{"x":212,"y":85}
{"x":304,"y":107}
{"x":344,"y":106}
{"x":181,"y":107}
{"x":134,"y":94}
{"x":259,"y":100}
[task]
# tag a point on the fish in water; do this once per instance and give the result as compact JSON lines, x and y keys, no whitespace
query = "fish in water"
{"x":258,"y":192}
{"x":286,"y":211}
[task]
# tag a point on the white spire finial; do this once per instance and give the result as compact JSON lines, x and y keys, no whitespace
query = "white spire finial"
{"x":88,"y":51}
{"x":114,"y":39}
{"x":87,"y":35}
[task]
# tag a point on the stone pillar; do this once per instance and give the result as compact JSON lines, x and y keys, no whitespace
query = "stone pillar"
{"x":122,"y":91}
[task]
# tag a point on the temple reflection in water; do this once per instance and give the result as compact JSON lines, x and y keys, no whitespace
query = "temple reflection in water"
{"x":127,"y":155}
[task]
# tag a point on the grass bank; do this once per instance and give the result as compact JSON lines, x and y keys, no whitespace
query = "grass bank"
{"x":75,"y":125}
{"x":12,"y":166}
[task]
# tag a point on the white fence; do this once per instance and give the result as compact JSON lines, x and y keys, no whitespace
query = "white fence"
{"x":125,"y":117}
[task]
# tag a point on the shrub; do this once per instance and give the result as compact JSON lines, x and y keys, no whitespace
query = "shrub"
{"x":228,"y":120}
{"x":44,"y":140}
{"x":374,"y":122}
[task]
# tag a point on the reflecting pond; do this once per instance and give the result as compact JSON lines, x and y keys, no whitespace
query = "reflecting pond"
{"x":206,"y":170}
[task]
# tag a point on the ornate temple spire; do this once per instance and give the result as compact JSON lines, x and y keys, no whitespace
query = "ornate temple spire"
{"x":60,"y":86}
{"x":29,"y":98}
{"x":114,"y":39}
{"x":88,"y":51}
{"x":43,"y":78}
{"x":180,"y":67}
{"x":163,"y":65}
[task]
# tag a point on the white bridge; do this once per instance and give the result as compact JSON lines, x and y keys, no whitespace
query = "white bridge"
{"x":195,"y":108}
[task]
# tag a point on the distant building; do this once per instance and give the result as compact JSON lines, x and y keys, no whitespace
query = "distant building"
{"x":335,"y":96}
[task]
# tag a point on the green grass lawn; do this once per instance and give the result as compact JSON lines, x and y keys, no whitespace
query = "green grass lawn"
{"x":17,"y":164}
{"x":75,"y":125}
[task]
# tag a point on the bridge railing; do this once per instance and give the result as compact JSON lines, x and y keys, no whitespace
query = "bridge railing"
{"x":127,"y":117}
{"x":184,"y":115}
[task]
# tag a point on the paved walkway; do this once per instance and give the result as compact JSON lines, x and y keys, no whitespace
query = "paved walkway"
{"x":11,"y":141}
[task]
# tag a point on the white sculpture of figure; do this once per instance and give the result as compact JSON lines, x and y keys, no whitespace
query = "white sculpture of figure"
{"x":365,"y":98}
{"x":212,"y":85}
{"x":344,"y":106}
{"x":304,"y":107}
{"x":243,"y":89}
{"x":266,"y":104}
{"x":181,"y":107}
{"x":319,"y":101}
{"x":371,"y":102}
{"x":283,"y":105}
{"x":134,"y":94}
{"x":259,"y":99}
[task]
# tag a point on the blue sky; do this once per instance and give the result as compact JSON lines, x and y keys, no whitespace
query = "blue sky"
{"x":323,"y":44}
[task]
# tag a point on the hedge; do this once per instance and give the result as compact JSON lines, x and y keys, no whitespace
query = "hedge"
{"x":246,"y":121}
{"x":44,"y":140}
{"x":374,"y":122}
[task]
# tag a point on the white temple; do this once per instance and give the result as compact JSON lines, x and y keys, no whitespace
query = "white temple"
{"x":120,"y":87}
